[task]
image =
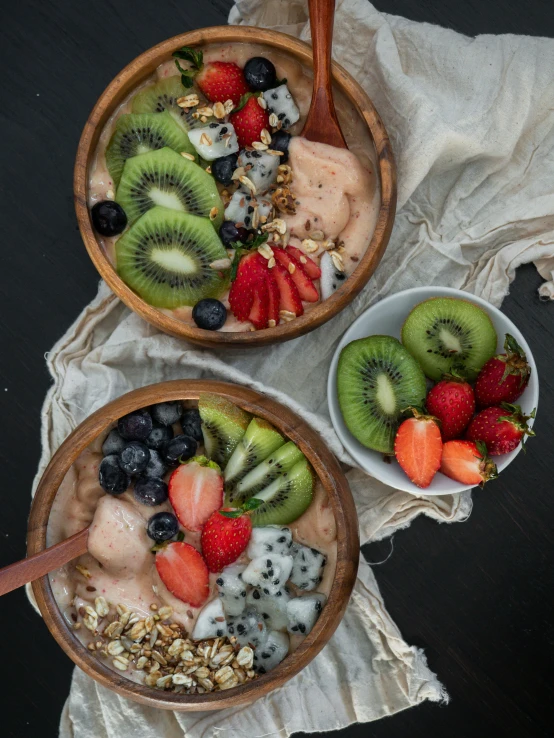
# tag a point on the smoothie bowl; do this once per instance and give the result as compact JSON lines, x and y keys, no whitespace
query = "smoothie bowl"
{"x":204,"y":208}
{"x":222,"y":550}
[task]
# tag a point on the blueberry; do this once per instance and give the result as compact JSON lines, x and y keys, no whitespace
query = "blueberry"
{"x":111,"y":477}
{"x":134,"y":458}
{"x":209,"y":314}
{"x":192,"y":424}
{"x":108,"y":218}
{"x":156,"y":466}
{"x":180,"y":447}
{"x":229,"y":233}
{"x":166,"y":413}
{"x":113,"y":443}
{"x":280,"y":141}
{"x":151,"y":492}
{"x":159,"y":436}
{"x":136,"y":426}
{"x":223,"y":168}
{"x":162,"y":526}
{"x":259,"y":73}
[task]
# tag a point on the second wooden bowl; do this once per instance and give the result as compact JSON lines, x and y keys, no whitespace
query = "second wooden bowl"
{"x":135,"y":74}
{"x":327,"y":470}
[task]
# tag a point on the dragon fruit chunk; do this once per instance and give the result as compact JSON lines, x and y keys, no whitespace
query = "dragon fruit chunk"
{"x":281,"y":102}
{"x":268,"y":573}
{"x":331,"y":279}
{"x":241,"y":207}
{"x":303,"y":613}
{"x":269,"y":539}
{"x":214,"y":141}
{"x":272,"y":653}
{"x":307,"y":567}
{"x":248,"y":628}
{"x":211,"y":622}
{"x":261,"y":169}
{"x":272,"y":608}
{"x":232,"y":590}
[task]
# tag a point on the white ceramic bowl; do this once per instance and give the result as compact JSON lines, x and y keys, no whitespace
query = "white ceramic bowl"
{"x":386,"y":318}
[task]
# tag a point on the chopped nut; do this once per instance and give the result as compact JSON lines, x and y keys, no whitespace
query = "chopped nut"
{"x":205,"y":140}
{"x":328,"y":245}
{"x":165,"y":612}
{"x":213,"y":213}
{"x":262,"y":103}
{"x":209,"y":169}
{"x":283,"y":200}
{"x":265,"y":251}
{"x":273,"y":120}
{"x":188,"y":101}
{"x":265,"y":136}
{"x":203,"y":118}
{"x":165,"y":681}
{"x":91,"y":647}
{"x":286,"y":315}
{"x":182,"y":679}
{"x":114,"y":648}
{"x":101,"y":607}
{"x":248,"y":183}
{"x":153,"y":606}
{"x":191,"y":158}
{"x":219,"y":110}
{"x":271,"y":263}
{"x":205,"y":110}
{"x":271,"y":323}
{"x":121,"y":663}
{"x":83,"y":570}
{"x":110,"y":194}
{"x":245,"y":657}
{"x":141,"y":663}
{"x":291,"y":267}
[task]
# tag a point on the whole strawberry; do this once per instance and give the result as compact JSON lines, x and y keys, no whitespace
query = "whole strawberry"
{"x":224,"y":537}
{"x":451,"y":401}
{"x":249,"y":122}
{"x":219,"y":81}
{"x":504,"y":377}
{"x":501,"y":428}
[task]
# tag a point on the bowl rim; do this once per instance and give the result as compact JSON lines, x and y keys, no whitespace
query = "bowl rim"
{"x":425,"y":292}
{"x":327,"y":470}
{"x":126,"y":80}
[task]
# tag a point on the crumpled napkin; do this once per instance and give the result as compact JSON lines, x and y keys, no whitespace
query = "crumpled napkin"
{"x":473,"y":137}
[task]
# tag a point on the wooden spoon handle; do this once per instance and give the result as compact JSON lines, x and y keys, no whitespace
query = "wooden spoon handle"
{"x":36,"y":566}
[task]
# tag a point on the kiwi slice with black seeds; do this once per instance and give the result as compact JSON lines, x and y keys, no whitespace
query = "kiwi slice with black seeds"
{"x":163,"y":97}
{"x":138,"y":134}
{"x":444,"y":333}
{"x":165,"y":258}
{"x":223,"y":426}
{"x":377,"y":379}
{"x":261,"y":476}
{"x":259,"y":441}
{"x":168,"y":179}
{"x":286,"y":498}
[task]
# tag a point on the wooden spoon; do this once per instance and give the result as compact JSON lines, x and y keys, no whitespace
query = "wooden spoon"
{"x":322,"y":124}
{"x":27,"y":570}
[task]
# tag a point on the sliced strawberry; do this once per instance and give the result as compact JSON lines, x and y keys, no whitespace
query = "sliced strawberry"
{"x":221,"y":81}
{"x":252,"y":269}
{"x":308,"y":265}
{"x":467,"y":462}
{"x":418,"y":448}
{"x":289,"y":299}
{"x":249,"y":122}
{"x":225,"y":538}
{"x":195,"y":492}
{"x":259,"y":314}
{"x":303,"y":283}
{"x":273,"y":298}
{"x":184,"y":572}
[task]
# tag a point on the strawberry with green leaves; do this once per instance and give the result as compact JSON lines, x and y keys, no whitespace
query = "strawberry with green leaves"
{"x":467,"y":462}
{"x":502,"y":428}
{"x":219,"y":81}
{"x":249,"y":120}
{"x":504,"y":377}
{"x":226,"y":535}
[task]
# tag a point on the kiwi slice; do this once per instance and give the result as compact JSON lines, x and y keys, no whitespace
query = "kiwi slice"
{"x":138,"y":134}
{"x":166,"y":178}
{"x":377,"y":379}
{"x":223,"y":425}
{"x":275,"y":465}
{"x":286,"y":498}
{"x":163,"y":96}
{"x":165,"y":258}
{"x":260,"y":440}
{"x":445,"y":333}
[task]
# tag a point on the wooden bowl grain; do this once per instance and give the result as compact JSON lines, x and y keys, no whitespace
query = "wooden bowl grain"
{"x":133,"y":75}
{"x":326,"y":468}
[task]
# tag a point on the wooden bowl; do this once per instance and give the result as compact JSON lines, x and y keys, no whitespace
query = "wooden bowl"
{"x":133,"y":75}
{"x":329,"y":473}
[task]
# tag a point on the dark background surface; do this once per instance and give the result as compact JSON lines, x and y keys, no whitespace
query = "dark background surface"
{"x":478,"y":597}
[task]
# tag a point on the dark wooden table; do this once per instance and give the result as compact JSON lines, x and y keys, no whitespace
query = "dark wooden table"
{"x":478,"y":597}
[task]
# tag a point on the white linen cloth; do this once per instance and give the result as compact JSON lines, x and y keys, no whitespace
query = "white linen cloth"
{"x":472,"y":127}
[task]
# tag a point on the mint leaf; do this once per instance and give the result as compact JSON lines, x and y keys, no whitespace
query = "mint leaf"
{"x":252,"y":504}
{"x":180,"y":536}
{"x":191,"y":55}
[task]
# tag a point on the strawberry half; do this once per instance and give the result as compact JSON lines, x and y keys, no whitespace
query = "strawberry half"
{"x":195,"y":492}
{"x":308,"y":265}
{"x":453,"y":403}
{"x":249,"y":122}
{"x":258,"y":315}
{"x":304,"y":284}
{"x":222,"y":81}
{"x":501,"y":428}
{"x":252,"y":269}
{"x":289,"y":299}
{"x":504,"y":377}
{"x":225,"y":538}
{"x":273,"y":298}
{"x":184,"y":572}
{"x":467,"y":462}
{"x":418,"y":448}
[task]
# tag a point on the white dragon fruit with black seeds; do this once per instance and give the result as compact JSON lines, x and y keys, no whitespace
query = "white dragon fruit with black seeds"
{"x":214,"y":140}
{"x":272,"y":652}
{"x":331,"y":278}
{"x":241,"y":208}
{"x":232,"y":590}
{"x":269,"y":539}
{"x":261,"y":169}
{"x":272,"y":608}
{"x":303,"y":613}
{"x":307,"y":568}
{"x":248,"y":628}
{"x":281,"y":102}
{"x":269,"y":573}
{"x":211,"y":622}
